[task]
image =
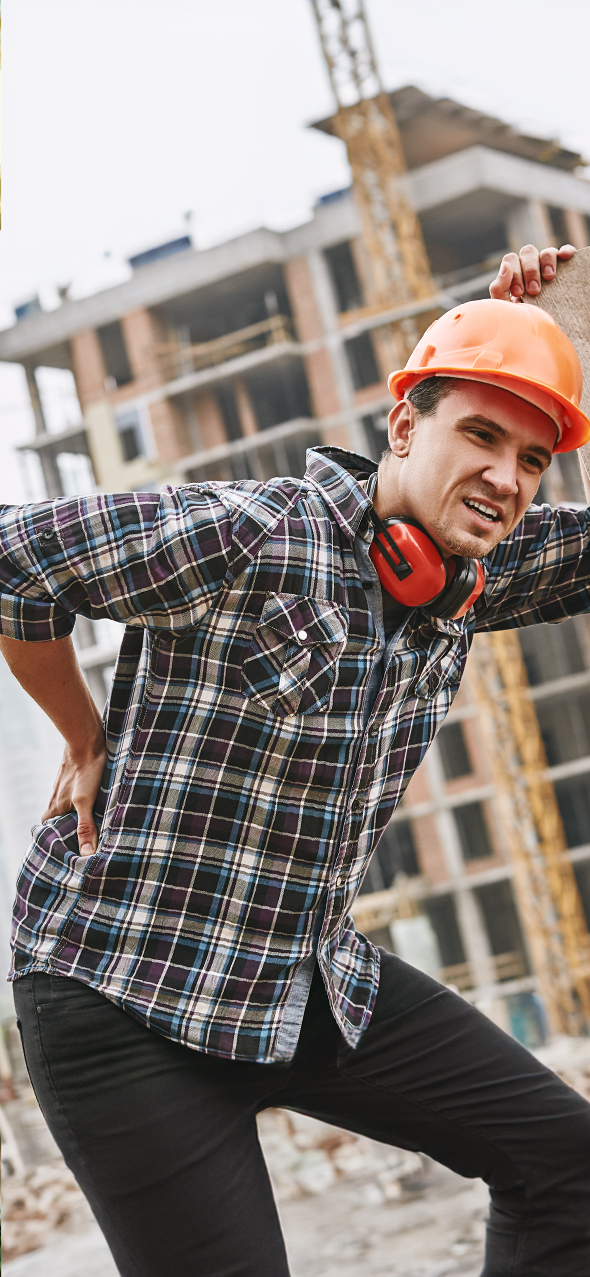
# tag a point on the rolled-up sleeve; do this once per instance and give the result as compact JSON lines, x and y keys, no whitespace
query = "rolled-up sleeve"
{"x":540,"y":573}
{"x":151,"y":559}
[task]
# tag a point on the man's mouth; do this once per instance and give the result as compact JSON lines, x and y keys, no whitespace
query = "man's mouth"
{"x":485,"y":511}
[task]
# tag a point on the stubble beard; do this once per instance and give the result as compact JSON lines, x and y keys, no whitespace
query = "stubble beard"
{"x":466,"y":545}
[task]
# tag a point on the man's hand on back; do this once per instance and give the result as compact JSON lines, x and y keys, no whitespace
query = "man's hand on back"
{"x":76,"y":786}
{"x":526,"y":271}
{"x":50,"y":673}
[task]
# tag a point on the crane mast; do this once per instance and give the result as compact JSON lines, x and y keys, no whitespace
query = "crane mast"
{"x":527,"y":808}
{"x":366,"y":123}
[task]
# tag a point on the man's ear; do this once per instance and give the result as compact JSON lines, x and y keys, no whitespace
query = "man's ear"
{"x":401,"y":423}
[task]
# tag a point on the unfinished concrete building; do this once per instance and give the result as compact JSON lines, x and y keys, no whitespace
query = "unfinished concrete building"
{"x":229,"y":363}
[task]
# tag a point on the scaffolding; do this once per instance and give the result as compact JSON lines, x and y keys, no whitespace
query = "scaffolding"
{"x":530,"y":820}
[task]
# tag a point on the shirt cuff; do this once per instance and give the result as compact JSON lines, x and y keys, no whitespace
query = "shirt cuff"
{"x":32,"y":621}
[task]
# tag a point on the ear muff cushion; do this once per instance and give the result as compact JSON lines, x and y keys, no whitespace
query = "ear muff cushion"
{"x":465,"y":587}
{"x":428,"y":575}
{"x":458,"y":589}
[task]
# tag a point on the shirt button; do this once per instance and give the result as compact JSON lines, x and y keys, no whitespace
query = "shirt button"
{"x":302,"y":634}
{"x":357,"y":804}
{"x":341,"y":879}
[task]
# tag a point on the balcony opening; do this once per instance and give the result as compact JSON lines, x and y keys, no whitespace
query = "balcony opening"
{"x":457,"y":248}
{"x":278,"y":392}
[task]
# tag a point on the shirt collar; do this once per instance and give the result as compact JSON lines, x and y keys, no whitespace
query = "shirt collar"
{"x":337,"y":473}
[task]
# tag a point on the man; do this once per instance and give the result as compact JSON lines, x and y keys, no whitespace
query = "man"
{"x":197,"y":963}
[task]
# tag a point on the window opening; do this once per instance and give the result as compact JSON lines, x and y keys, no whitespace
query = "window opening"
{"x":343,"y":273}
{"x":473,"y":831}
{"x":551,"y":651}
{"x":453,"y":751}
{"x":130,"y":433}
{"x":362,"y":362}
{"x":114,"y":353}
{"x":442,"y":912}
{"x":502,"y":924}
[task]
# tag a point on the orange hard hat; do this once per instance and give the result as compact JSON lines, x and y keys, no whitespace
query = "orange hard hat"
{"x":517,"y":347}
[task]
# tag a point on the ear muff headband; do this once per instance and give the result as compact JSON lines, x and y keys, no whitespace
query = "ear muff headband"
{"x":412,"y":569}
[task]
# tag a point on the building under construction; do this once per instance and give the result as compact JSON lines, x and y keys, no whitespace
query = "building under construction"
{"x":229,"y":363}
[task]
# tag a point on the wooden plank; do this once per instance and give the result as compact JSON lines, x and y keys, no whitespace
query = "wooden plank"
{"x":567,"y":299}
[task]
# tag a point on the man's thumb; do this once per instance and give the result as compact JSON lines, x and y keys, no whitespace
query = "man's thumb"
{"x":87,"y":835}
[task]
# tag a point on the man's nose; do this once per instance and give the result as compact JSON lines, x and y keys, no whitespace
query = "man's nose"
{"x":502,"y":474}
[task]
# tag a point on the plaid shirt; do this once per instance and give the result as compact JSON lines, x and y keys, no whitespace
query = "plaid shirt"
{"x":246,"y":785}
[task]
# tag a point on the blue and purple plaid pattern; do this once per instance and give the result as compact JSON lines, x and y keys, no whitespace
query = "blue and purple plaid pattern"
{"x":244,"y":793}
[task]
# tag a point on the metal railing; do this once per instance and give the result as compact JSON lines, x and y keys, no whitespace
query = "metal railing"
{"x":179,"y":357}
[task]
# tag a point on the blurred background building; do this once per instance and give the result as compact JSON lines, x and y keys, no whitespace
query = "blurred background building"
{"x":229,"y":363}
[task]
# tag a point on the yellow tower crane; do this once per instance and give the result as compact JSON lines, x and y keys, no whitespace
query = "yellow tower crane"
{"x":527,"y":808}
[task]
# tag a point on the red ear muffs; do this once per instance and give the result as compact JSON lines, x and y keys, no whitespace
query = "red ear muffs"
{"x":411,"y":568}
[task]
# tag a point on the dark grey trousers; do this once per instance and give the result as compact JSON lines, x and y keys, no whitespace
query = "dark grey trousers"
{"x":163,"y":1140}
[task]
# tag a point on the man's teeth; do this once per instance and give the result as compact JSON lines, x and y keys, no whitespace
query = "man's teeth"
{"x":487,"y":510}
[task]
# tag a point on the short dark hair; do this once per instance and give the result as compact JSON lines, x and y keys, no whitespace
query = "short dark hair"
{"x":427,"y":395}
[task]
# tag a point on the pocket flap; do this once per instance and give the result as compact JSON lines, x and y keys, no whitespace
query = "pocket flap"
{"x":304,"y":621}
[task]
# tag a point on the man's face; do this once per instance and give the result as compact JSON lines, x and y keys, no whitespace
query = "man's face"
{"x":468,"y":472}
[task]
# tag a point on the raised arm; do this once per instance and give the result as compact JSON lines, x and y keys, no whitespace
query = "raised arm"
{"x":50,"y":673}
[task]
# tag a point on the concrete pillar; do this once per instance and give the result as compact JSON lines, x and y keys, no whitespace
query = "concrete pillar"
{"x":171,"y":432}
{"x":529,"y":223}
{"x":330,"y":382}
{"x":577,"y":228}
{"x":142,"y":338}
{"x":36,"y":405}
{"x":51,"y":475}
{"x":88,"y":368}
{"x":211,"y":423}
{"x":246,"y":412}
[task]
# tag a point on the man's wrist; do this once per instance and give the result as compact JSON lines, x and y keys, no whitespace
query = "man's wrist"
{"x":88,"y":747}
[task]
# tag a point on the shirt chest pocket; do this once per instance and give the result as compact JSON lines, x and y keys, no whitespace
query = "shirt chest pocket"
{"x":294,"y":654}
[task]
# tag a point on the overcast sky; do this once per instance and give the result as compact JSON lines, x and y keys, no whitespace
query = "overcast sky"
{"x":120,"y":116}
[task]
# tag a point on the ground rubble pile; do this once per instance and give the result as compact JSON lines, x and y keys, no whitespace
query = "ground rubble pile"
{"x":39,"y":1206}
{"x":306,"y":1157}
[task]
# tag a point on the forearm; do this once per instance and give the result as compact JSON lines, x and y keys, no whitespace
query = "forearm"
{"x":50,"y":674}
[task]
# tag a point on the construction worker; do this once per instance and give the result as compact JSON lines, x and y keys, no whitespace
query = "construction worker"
{"x":290,"y":649}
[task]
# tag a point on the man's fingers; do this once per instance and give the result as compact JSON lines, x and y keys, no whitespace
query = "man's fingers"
{"x":87,"y":835}
{"x":527,"y":271}
{"x":531,"y":268}
{"x":508,"y":284}
{"x":548,"y":262}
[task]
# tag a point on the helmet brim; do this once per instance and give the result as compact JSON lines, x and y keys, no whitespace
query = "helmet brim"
{"x":578,"y":432}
